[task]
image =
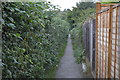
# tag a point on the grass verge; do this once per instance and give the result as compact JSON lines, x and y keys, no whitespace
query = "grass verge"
{"x":78,"y":53}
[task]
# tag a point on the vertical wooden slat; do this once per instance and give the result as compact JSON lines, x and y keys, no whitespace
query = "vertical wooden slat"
{"x":106,"y":41}
{"x":102,"y":61}
{"x":115,"y":43}
{"x":97,"y":9}
{"x":103,"y":44}
{"x":119,"y":53}
{"x":110,"y":42}
{"x":100,"y":53}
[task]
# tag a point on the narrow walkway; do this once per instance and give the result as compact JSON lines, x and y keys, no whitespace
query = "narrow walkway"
{"x":68,"y":68}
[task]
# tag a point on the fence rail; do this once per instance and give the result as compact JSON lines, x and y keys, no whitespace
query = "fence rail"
{"x":108,"y":40}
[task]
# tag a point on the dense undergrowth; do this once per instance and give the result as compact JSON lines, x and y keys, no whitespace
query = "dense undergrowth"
{"x":33,"y":35}
{"x":76,"y":18}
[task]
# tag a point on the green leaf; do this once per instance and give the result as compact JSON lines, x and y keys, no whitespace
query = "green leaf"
{"x":42,"y":25}
{"x":17,"y":9}
{"x":17,"y":35}
{"x":11,"y":19}
{"x":11,"y":25}
{"x":26,"y":56}
{"x":9,"y":72}
{"x":12,"y":9}
{"x":30,"y":61}
{"x":22,"y":12}
{"x":15,"y":61}
{"x":22,"y":50}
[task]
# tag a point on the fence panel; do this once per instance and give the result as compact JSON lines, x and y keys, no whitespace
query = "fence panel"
{"x":89,"y":42}
{"x":108,"y":41}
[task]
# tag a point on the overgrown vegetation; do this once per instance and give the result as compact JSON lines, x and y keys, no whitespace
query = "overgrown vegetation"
{"x":52,"y":72}
{"x":33,"y":35}
{"x":76,"y":18}
{"x":79,"y":53}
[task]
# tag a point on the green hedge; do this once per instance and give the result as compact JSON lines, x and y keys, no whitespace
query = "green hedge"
{"x":32,"y":37}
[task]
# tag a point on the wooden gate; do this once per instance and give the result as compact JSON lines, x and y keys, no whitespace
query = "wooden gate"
{"x":107,"y":40}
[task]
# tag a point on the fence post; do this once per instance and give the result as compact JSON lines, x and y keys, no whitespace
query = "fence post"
{"x":96,"y":52}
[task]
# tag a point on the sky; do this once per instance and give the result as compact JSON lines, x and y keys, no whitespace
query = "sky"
{"x":64,"y":4}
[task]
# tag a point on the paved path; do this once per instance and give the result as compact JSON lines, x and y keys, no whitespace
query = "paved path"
{"x":68,"y":68}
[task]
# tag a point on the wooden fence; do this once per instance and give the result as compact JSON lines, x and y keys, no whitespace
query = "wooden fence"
{"x":107,"y":40}
{"x":89,"y":42}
